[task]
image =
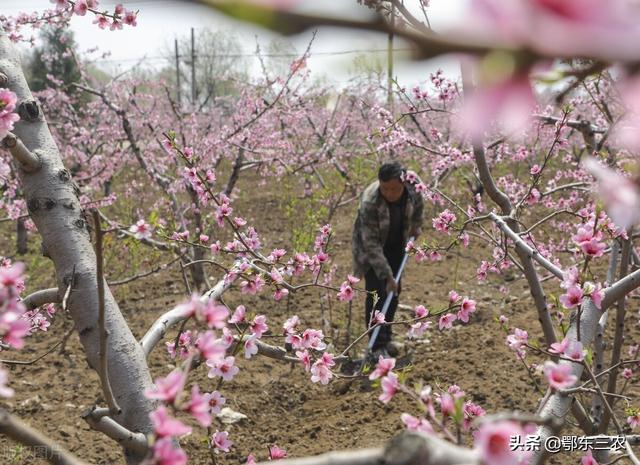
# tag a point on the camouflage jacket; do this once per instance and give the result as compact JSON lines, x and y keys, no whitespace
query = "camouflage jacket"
{"x":371,"y":228}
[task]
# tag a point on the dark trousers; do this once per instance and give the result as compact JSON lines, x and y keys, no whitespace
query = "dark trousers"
{"x":372,"y":283}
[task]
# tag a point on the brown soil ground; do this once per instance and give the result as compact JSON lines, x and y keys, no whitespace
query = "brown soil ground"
{"x":281,"y":403}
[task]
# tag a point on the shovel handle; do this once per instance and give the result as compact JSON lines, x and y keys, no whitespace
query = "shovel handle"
{"x":387,"y":301}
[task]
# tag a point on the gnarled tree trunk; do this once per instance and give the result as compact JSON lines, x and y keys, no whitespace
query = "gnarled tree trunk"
{"x":52,"y":200}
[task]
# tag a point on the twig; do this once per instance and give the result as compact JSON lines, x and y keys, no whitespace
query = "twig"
{"x":24,"y":434}
{"x":104,"y":333}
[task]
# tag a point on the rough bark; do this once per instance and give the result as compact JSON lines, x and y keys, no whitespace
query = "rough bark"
{"x":52,"y":201}
{"x":21,"y":237}
{"x":408,"y":448}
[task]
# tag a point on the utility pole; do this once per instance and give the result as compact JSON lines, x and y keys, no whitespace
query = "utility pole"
{"x":193,"y":67}
{"x":178,"y":98}
{"x":390,"y":61}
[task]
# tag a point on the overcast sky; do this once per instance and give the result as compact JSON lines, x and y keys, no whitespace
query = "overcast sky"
{"x":161,"y":21}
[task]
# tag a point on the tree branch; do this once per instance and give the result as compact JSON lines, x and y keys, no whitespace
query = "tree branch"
{"x":15,"y":429}
{"x":29,"y":162}
{"x":42,"y":297}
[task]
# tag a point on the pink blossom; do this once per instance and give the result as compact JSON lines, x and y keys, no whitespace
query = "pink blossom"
{"x":559,"y":375}
{"x":216,"y":247}
{"x":305,"y":358}
{"x":627,"y":373}
{"x":225,"y":368}
{"x":199,"y":406}
{"x":467,"y":307}
{"x":584,"y":234}
{"x":60,"y":4}
{"x":508,"y":99}
{"x":447,"y":405}
{"x":383,"y":367}
{"x":535,"y":169}
{"x":390,"y":386}
{"x":320,"y":371}
{"x":352,"y":280}
{"x":164,"y":425}
{"x":14,"y":329}
{"x":412,"y":423}
{"x":164,"y":453}
{"x":517,"y":341}
{"x":593,"y":248}
{"x":453,"y":297}
{"x":216,"y":401}
{"x":130,"y":18}
{"x":420,"y":311}
{"x":11,"y":276}
{"x":250,"y":347}
{"x":621,"y":197}
{"x":455,"y":391}
{"x":227,"y":338}
{"x":276,"y":276}
{"x":634,"y":420}
{"x":313,"y":339}
{"x":101,"y":20}
{"x":220,"y":440}
{"x":238,"y":315}
{"x":418,"y":329}
{"x":444,"y":221}
{"x":597,"y":295}
{"x":167,"y":388}
{"x":561,"y":28}
{"x":290,"y":325}
{"x":492,"y":442}
{"x":570,"y":278}
{"x":464,"y":238}
{"x":559,"y":347}
{"x":346,"y":292}
{"x":213,"y":314}
{"x":446,"y":321}
{"x":471,"y":412}
{"x":81,"y":7}
{"x":377,"y":318}
{"x":572,"y":298}
{"x":276,"y":254}
{"x":574,"y":351}
{"x":588,"y":459}
{"x":252,"y":286}
{"x":210,"y":346}
{"x":190,"y":307}
{"x":276,"y":453}
{"x":259,"y":326}
{"x":280,"y":293}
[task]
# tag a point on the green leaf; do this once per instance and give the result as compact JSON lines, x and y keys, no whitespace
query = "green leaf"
{"x":589,"y":357}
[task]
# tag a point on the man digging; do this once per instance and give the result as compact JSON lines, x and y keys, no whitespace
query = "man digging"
{"x":390,"y":212}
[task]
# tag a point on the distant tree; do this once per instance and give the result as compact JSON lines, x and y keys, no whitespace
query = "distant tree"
{"x":53,"y":60}
{"x":279,"y":54}
{"x":218,"y":62}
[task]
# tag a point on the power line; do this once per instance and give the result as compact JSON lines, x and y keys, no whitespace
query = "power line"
{"x":255,"y":55}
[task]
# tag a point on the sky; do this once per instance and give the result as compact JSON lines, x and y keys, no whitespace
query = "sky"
{"x":161,"y":21}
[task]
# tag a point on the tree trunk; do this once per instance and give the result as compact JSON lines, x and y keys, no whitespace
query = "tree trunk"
{"x":21,"y":237}
{"x":52,"y":201}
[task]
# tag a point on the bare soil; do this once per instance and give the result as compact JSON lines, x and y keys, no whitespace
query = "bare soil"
{"x":282,"y":405}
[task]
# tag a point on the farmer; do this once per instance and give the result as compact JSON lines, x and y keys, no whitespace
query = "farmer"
{"x":390,"y":212}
